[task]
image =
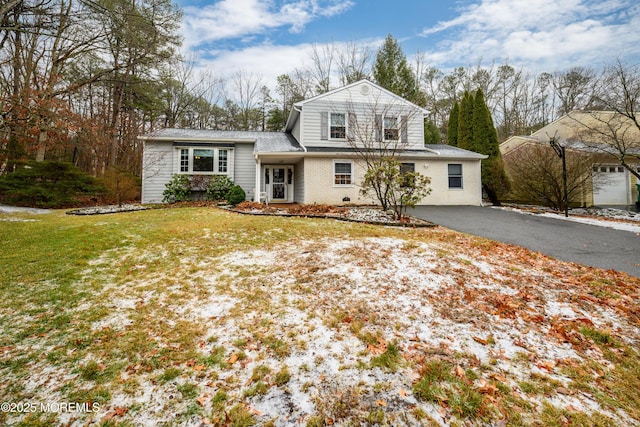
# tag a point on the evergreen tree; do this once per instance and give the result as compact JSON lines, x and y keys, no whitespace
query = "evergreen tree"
{"x":431,"y":133}
{"x":452,"y":126}
{"x":484,"y":140}
{"x":465,"y":122}
{"x":392,"y":72}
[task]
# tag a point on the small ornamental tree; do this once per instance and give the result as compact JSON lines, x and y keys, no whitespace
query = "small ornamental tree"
{"x":395,"y":189}
{"x":177,"y":190}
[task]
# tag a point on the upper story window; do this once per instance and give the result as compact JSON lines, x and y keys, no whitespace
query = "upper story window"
{"x":391,"y":128}
{"x":204,"y":160}
{"x":337,"y":126}
{"x":455,"y":175}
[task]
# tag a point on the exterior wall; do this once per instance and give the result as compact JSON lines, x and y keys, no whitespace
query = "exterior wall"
{"x":441,"y":194}
{"x":320,"y":188}
{"x":365,"y":107}
{"x":296,"y":131}
{"x":298,"y":179}
{"x":161,"y":160}
{"x":156,"y":170}
{"x":245,"y":169}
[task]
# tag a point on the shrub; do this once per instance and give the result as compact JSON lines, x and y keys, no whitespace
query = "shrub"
{"x":177,"y":190}
{"x":48,"y":185}
{"x":121,"y":185}
{"x":236,"y":195}
{"x":218,"y":188}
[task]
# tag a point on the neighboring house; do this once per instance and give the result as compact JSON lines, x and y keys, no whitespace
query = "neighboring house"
{"x":611,"y":184}
{"x":315,"y":160}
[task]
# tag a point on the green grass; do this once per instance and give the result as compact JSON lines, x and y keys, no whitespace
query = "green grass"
{"x":100,"y":301}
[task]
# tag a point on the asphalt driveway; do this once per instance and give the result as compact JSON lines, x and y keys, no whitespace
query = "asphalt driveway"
{"x":565,"y":240}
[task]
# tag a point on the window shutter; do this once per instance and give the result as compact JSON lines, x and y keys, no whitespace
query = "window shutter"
{"x":324,"y":125}
{"x":404,"y":129}
{"x":378,"y":125}
{"x":351,"y":127}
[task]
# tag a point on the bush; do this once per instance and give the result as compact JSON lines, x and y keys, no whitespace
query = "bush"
{"x":236,"y":195}
{"x":218,"y":188}
{"x":177,"y":190}
{"x":48,"y":185}
{"x":121,"y":185}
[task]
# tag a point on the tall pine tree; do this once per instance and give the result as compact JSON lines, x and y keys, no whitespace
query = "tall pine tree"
{"x":452,"y":126}
{"x":485,"y":140}
{"x":465,"y":122}
{"x":392,"y":72}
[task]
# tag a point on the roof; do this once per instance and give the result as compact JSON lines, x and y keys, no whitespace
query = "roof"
{"x":264,"y":141}
{"x":435,"y":151}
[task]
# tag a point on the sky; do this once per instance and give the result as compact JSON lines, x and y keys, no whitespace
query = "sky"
{"x":271,"y":37}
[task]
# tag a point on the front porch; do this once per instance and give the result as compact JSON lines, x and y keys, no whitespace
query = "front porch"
{"x":279,"y":180}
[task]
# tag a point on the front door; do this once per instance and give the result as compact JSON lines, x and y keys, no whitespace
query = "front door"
{"x":279,"y":183}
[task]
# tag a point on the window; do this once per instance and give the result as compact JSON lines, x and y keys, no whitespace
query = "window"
{"x":184,"y":160}
{"x":391,"y":130}
{"x":455,"y":176}
{"x":337,"y":126}
{"x":342,"y":173}
{"x":404,"y":168}
{"x":204,"y":161}
{"x":222,"y":160}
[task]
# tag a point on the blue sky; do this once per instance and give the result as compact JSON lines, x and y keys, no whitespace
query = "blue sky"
{"x":272,"y":37}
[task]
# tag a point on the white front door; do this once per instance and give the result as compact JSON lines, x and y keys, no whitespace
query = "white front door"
{"x":279,"y":183}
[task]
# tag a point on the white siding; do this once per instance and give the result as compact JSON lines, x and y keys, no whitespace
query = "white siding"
{"x":157,"y":170}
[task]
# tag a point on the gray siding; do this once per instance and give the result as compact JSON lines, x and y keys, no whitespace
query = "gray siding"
{"x":245,"y":168}
{"x":156,"y":171}
{"x":365,"y":111}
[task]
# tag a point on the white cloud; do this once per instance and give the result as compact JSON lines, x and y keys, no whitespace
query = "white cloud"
{"x":547,"y":34}
{"x":229,"y":19}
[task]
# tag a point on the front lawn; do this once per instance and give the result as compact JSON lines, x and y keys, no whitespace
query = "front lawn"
{"x":197,"y":316}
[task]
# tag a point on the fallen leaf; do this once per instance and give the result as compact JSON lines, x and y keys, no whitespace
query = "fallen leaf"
{"x":381,"y":402}
{"x":480,"y":340}
{"x":233,"y":359}
{"x":402,"y":392}
{"x":254,"y":411}
{"x":202,"y":400}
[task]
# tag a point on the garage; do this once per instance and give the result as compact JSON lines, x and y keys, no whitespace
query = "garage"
{"x":610,"y":185}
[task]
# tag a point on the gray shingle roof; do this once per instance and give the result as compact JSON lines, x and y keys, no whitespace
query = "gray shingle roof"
{"x":273,"y":142}
{"x":435,"y":151}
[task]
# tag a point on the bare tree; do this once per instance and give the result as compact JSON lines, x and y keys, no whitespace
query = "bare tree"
{"x":572,"y":88}
{"x":322,"y":61}
{"x":354,"y":63}
{"x":536,"y":176}
{"x":247,"y":88}
{"x":615,"y":132}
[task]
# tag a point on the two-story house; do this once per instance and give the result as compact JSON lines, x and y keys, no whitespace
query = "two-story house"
{"x":318,"y":158}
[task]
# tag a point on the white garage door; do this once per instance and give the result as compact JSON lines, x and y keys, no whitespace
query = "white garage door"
{"x":612,"y":182}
